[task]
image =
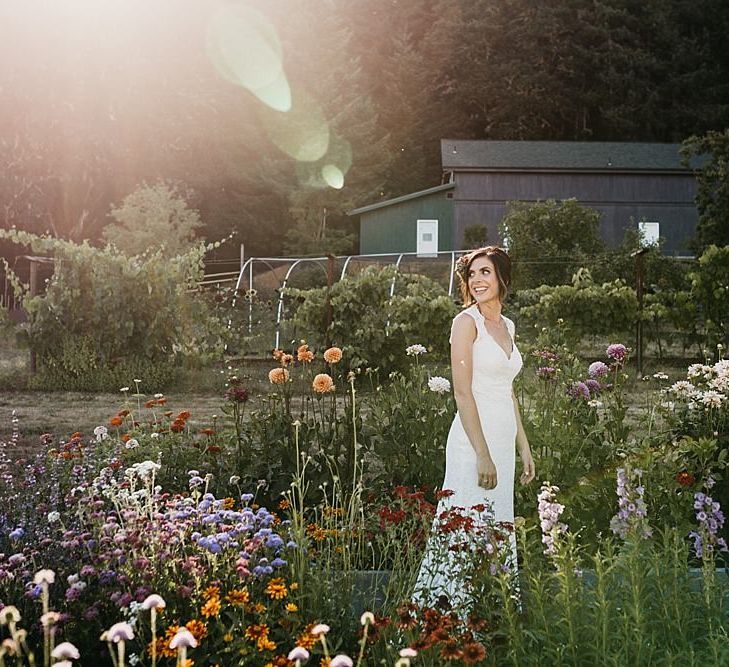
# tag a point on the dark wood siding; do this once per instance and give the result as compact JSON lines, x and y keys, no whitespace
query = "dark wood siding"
{"x":624,"y":199}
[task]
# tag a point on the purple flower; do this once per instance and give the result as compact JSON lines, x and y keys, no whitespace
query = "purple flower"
{"x":710,"y":519}
{"x":546,"y":372}
{"x":593,"y":386}
{"x":579,"y":391}
{"x":598,"y":369}
{"x":617,"y":352}
{"x":549,"y":512}
{"x":633,"y":511}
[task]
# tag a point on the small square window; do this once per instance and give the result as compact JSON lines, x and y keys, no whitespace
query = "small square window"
{"x":427,"y":237}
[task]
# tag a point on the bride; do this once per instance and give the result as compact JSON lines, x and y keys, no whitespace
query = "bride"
{"x":480,"y":451}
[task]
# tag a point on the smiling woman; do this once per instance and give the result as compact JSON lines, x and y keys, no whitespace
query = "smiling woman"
{"x":480,"y":452}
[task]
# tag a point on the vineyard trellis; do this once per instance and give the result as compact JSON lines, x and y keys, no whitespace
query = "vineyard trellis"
{"x":246,"y":275}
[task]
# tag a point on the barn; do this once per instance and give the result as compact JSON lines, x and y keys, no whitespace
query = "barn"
{"x":631,"y":184}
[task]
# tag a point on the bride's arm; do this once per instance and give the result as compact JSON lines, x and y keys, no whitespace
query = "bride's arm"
{"x":522,"y":444}
{"x":462,"y":336}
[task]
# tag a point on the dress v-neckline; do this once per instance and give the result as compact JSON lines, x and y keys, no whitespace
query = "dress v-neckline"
{"x":488,"y":333}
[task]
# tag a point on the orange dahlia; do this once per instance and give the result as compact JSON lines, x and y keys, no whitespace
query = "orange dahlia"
{"x":333,"y":355}
{"x":304,"y":354}
{"x":278,"y":376}
{"x":323,"y":383}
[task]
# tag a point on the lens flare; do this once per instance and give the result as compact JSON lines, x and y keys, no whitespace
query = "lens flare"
{"x":333,"y":176}
{"x":244,"y":48}
{"x":302,"y":133}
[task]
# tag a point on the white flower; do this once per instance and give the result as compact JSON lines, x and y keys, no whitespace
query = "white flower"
{"x":368,"y":618}
{"x":101,"y":433}
{"x":408,"y":652}
{"x":320,"y":629}
{"x":415,"y":350}
{"x":132,"y":443}
{"x":53,"y":516}
{"x":158,"y":396}
{"x":143,"y":470}
{"x":234,"y":479}
{"x":720,"y":383}
{"x":44,"y":577}
{"x":298,"y":654}
{"x":697,"y":370}
{"x":124,"y":389}
{"x":153,"y":601}
{"x":439,"y":385}
{"x":341,"y":660}
{"x":660,"y":376}
{"x":712,"y":399}
{"x":118,"y":632}
{"x":183,"y":638}
{"x":65,"y":650}
{"x":594,"y":403}
{"x":683,"y":388}
{"x":154,"y":436}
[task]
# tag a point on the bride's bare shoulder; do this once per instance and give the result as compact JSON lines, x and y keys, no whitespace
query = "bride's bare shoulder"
{"x":463,"y":326}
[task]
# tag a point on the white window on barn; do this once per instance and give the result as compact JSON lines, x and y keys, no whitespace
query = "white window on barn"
{"x":427,"y":245}
{"x":649,"y":232}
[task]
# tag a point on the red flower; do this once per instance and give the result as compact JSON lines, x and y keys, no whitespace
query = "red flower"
{"x":177,"y":426}
{"x":115,"y":421}
{"x":685,"y":478}
{"x":451,"y":650}
{"x":445,"y":493}
{"x":473,"y":652}
{"x":400,"y":491}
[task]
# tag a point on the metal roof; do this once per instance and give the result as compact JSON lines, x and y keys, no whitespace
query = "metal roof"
{"x":403,"y":198}
{"x":458,"y":155}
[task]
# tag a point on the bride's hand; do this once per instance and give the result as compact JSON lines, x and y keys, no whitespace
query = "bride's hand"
{"x":486,"y":473}
{"x":529,"y":472}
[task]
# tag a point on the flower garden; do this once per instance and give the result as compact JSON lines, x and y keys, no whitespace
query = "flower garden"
{"x":292,"y":529}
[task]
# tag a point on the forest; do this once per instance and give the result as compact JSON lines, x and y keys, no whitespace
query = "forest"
{"x":100,"y":98}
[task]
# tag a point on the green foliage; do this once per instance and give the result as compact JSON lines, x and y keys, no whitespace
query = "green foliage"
{"x":636,"y":603}
{"x":548,"y":241}
{"x":475,"y":236}
{"x":310,"y":235}
{"x":153,"y":218}
{"x":710,"y":290}
{"x":408,"y":413}
{"x":373,"y":329}
{"x":712,"y":198}
{"x":588,"y":309}
{"x":105,"y":316}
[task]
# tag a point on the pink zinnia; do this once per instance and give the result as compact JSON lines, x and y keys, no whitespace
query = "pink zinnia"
{"x":617,"y":351}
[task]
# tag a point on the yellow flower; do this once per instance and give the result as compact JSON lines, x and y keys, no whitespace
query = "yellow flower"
{"x":211,"y":592}
{"x":238,"y":597}
{"x":278,"y":376}
{"x":211,"y":607}
{"x":265,"y":644}
{"x":284,"y":504}
{"x":304,"y":354}
{"x":227,"y":638}
{"x":291,"y":607}
{"x":259,"y":608}
{"x":198,"y":629}
{"x":276,"y":589}
{"x":323,"y":383}
{"x":294,"y":586}
{"x":228,"y":503}
{"x":333,"y":355}
{"x":256,"y":631}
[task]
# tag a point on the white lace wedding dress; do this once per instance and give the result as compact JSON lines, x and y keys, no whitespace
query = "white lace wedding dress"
{"x":493,"y":373}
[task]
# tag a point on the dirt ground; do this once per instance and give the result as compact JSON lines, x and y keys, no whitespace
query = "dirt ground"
{"x":62,"y":413}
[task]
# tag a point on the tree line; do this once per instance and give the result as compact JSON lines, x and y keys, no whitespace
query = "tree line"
{"x":93,"y":111}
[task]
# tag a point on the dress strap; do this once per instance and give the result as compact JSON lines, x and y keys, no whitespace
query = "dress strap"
{"x":477,"y":318}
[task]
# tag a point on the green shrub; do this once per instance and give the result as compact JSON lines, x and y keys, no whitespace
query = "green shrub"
{"x":373,"y":328}
{"x":107,"y":319}
{"x":710,"y":289}
{"x":548,"y":241}
{"x":588,"y":309}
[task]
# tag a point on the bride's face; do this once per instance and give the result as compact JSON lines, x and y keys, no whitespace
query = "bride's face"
{"x":483,"y":282}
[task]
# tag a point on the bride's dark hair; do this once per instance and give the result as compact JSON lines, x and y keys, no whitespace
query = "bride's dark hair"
{"x":502,"y":266}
